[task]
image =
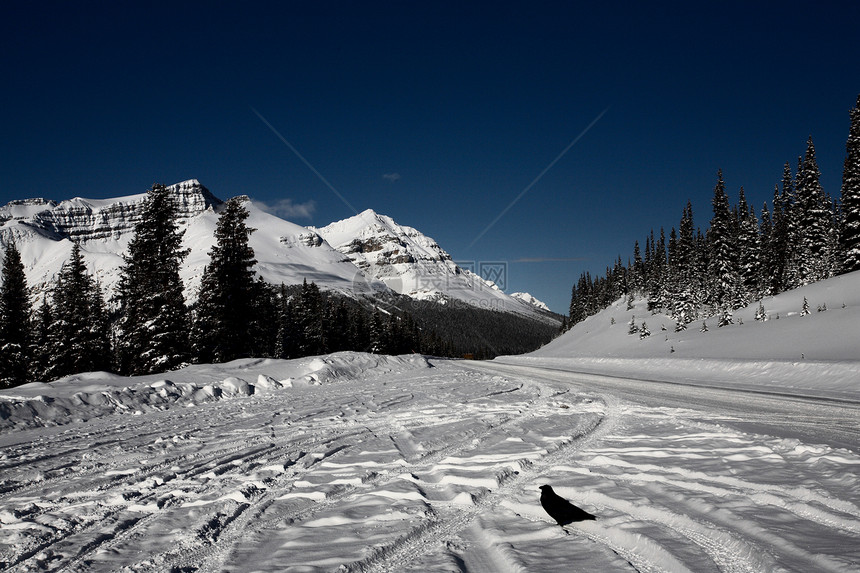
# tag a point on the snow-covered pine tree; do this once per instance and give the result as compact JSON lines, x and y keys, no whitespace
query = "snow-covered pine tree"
{"x":672,"y":281}
{"x":657,"y":275}
{"x":40,"y":343}
{"x":576,"y":312}
{"x":836,"y":252}
{"x":701,"y":265}
{"x":726,"y":317}
{"x":689,"y":282}
{"x":644,"y":332}
{"x":850,"y":239}
{"x":632,"y":328}
{"x":100,"y":331}
{"x":223,"y":315}
{"x":637,"y":279}
{"x":378,"y":342}
{"x":786,"y":235}
{"x":760,"y":314}
{"x":15,"y":313}
{"x":815,"y":220}
{"x":78,"y":340}
{"x":154,"y":323}
{"x":768,"y":257}
{"x":749,"y":253}
{"x":724,"y":262}
{"x":805,"y":309}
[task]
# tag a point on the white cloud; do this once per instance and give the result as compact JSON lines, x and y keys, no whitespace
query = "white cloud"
{"x":286,"y":209}
{"x":391,"y":177}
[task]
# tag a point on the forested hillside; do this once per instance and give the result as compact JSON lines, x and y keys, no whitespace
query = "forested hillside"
{"x":804,"y":236}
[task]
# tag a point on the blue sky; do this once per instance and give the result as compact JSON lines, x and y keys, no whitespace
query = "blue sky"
{"x":438,"y":114}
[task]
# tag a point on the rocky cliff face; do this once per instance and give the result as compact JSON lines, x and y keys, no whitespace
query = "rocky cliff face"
{"x":403,"y":258}
{"x":413,"y":264}
{"x":85,"y":220}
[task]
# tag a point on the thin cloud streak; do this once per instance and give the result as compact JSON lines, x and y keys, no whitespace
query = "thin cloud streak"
{"x":305,"y":161}
{"x":538,"y":178}
{"x":286,"y":209}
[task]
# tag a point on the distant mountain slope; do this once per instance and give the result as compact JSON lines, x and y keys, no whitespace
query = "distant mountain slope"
{"x":372,"y":254}
{"x":413,"y":264}
{"x":526,"y":297}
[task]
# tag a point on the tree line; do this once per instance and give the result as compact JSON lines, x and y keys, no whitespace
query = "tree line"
{"x":803,"y":237}
{"x":148,"y":327}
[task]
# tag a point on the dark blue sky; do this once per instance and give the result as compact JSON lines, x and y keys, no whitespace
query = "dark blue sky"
{"x":467,"y":104}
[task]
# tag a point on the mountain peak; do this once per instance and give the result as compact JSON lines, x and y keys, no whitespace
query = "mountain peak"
{"x":527,"y":298}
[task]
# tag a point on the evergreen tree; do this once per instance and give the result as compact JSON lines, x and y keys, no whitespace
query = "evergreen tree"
{"x":41,"y":341}
{"x":378,"y":342}
{"x":850,"y":239}
{"x":724,"y":265}
{"x":637,"y":282}
{"x":78,"y":339}
{"x":154,"y":322}
{"x":631,"y":327}
{"x":309,"y":320}
{"x":760,"y":313}
{"x":264,"y":326}
{"x":224,"y":316}
{"x":814,"y":220}
{"x":687,"y":249}
{"x":786,"y":235}
{"x":768,"y":256}
{"x":749,"y":253}
{"x":15,"y":312}
{"x":285,"y":346}
{"x":657,"y":293}
{"x":338,"y":331}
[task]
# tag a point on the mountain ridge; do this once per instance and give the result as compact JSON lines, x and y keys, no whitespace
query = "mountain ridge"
{"x":372,"y":253}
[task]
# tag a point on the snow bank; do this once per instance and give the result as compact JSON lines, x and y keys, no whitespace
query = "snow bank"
{"x":818,"y":353}
{"x":94,"y":394}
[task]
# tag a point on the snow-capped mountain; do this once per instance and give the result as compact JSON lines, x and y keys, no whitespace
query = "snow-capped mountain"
{"x":44,"y":230}
{"x":365,"y":254}
{"x":526,"y":297}
{"x":413,"y":264}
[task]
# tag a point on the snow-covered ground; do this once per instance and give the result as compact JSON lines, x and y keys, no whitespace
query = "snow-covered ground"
{"x":737,"y":451}
{"x":816,"y":354}
{"x":355,"y":462}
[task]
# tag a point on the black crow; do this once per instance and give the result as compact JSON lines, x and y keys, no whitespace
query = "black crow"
{"x":560,"y":509}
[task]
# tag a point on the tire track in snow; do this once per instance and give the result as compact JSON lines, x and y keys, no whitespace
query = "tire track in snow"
{"x":735,"y":544}
{"x":79,"y":543}
{"x":396,"y":555}
{"x":212,"y":525}
{"x":211,"y":559}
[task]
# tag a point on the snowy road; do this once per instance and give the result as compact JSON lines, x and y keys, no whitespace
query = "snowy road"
{"x":409,"y":468}
{"x":824,"y":420}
